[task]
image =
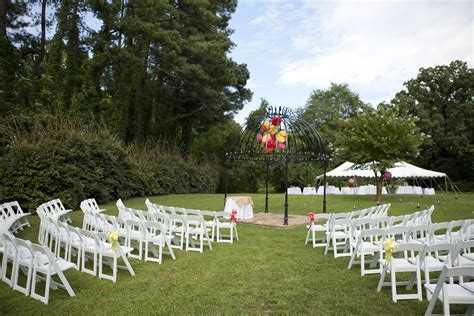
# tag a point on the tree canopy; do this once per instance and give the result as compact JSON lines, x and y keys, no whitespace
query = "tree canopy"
{"x":442,"y":97}
{"x":148,"y":69}
{"x":379,"y":137}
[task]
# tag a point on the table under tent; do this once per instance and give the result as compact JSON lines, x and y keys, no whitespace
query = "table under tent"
{"x":424,"y":180}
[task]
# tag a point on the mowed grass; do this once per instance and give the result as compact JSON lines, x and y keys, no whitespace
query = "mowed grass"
{"x":268,"y":271}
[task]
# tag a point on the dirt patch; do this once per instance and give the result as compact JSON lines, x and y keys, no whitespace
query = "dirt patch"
{"x":276,"y":220}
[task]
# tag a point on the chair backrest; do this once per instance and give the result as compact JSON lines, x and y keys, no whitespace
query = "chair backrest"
{"x":24,"y":249}
{"x":9,"y":244}
{"x":397,"y":233}
{"x":380,"y":222}
{"x":434,"y":250}
{"x":461,"y":248}
{"x":398,"y":220}
{"x":419,"y":231}
{"x":195,"y":221}
{"x":47,"y":258}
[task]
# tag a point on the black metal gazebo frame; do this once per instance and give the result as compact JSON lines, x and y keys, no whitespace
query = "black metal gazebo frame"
{"x":303,"y":144}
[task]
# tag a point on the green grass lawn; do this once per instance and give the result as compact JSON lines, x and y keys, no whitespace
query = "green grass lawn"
{"x":268,"y":271}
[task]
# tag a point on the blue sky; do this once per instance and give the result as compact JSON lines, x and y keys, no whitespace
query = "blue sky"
{"x":294,"y":47}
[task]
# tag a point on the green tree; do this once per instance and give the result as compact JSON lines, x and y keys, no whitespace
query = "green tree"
{"x":327,"y":108}
{"x":442,"y":98}
{"x":379,"y":138}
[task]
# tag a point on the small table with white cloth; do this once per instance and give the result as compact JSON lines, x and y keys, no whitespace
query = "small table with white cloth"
{"x":368,"y":189}
{"x":429,"y":191}
{"x":408,"y":189}
{"x":330,"y":189}
{"x":294,"y":191}
{"x":347,"y":190}
{"x":309,"y":191}
{"x":243,"y":205}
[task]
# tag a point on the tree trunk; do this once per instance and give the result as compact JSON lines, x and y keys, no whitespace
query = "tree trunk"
{"x":378,"y":183}
{"x":43,"y":31}
{"x":3,"y":19}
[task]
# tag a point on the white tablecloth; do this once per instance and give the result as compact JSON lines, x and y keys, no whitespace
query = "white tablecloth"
{"x":330,"y":189}
{"x":408,"y":189}
{"x":309,"y":191}
{"x":429,"y":191}
{"x":347,"y":190}
{"x":294,"y":191}
{"x":368,"y":189}
{"x":243,"y":212}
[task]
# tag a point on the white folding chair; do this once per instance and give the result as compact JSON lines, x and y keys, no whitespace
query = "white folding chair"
{"x":46,"y":264}
{"x":211,"y":222}
{"x":408,"y":262}
{"x":135,"y":237}
{"x":367,"y":243}
{"x":109,"y":256}
{"x":156,"y":235}
{"x":196,"y":228}
{"x":450,"y":293}
{"x":320,"y":225}
{"x":223,"y":221}
{"x":24,"y":262}
{"x":339,"y":235}
{"x":10,"y":253}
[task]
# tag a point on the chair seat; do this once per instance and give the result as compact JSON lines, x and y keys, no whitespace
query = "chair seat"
{"x":369,"y":247}
{"x":317,"y":228}
{"x":400,"y":265}
{"x":433,"y":264}
{"x":340,"y":234}
{"x":198,"y":230}
{"x":226,"y":225}
{"x":456,"y":293}
{"x":62,"y":264}
{"x":469,"y":256}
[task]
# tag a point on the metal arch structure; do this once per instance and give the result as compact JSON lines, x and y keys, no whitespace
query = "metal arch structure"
{"x":303,"y":144}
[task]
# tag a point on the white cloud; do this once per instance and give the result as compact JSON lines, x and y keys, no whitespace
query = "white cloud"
{"x":376,"y":46}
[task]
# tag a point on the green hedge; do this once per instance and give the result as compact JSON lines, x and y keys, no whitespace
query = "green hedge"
{"x":43,"y":160}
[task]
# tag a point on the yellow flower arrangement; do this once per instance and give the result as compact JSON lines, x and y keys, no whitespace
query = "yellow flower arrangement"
{"x":113,"y":238}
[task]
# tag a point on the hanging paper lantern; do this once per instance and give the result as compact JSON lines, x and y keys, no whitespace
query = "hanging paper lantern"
{"x":351,"y":182}
{"x":265,"y":126}
{"x":387,"y":175}
{"x":259,"y":137}
{"x":281,"y":146}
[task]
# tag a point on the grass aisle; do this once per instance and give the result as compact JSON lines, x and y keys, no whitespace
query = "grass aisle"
{"x":267,"y":271}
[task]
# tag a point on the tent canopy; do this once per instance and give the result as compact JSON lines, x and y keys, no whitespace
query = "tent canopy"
{"x":400,"y":170}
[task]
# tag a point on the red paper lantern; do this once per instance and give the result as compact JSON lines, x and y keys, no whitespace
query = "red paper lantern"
{"x":351,"y":182}
{"x":387,"y":175}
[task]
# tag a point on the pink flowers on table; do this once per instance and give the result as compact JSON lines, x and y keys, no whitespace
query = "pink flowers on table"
{"x":273,"y":136}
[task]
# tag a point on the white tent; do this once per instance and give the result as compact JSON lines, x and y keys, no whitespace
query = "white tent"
{"x":400,"y":170}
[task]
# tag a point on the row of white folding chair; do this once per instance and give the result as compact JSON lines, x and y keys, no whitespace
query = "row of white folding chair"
{"x":364,"y":241}
{"x":89,"y":207}
{"x":139,"y":233}
{"x":417,"y":257}
{"x":327,"y":224}
{"x":38,"y":263}
{"x":421,"y":217}
{"x":67,"y":241}
{"x":12,"y":217}
{"x":92,"y":205}
{"x":216,"y":221}
{"x":55,"y":209}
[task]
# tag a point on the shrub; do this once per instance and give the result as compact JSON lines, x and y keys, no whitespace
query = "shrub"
{"x":61,"y":158}
{"x":164,"y":171}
